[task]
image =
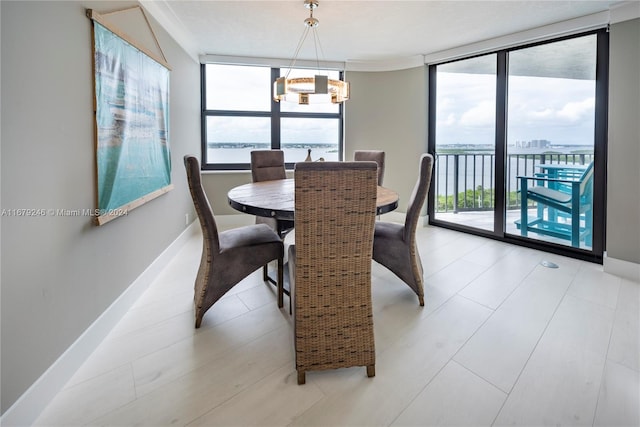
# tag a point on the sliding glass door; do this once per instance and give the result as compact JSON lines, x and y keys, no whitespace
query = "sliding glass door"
{"x":466,"y":142}
{"x":519,"y":137}
{"x":550,"y":141}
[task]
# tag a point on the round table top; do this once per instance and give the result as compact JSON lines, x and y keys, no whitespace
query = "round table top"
{"x":276,"y":199}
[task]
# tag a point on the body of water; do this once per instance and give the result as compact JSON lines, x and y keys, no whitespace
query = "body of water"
{"x":291,"y":154}
{"x":474,"y":169}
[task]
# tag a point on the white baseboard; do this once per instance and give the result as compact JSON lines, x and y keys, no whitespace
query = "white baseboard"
{"x":33,"y":401}
{"x":618,"y":267}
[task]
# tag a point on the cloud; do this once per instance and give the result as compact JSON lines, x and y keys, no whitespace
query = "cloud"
{"x":451,"y":120}
{"x":448,"y":120}
{"x":483,"y":114}
{"x":576,"y":111}
{"x":542,"y":114}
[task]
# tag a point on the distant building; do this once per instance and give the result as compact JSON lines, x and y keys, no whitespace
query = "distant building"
{"x":534,"y":143}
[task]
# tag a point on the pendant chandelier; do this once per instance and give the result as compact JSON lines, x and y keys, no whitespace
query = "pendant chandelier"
{"x":309,"y":90}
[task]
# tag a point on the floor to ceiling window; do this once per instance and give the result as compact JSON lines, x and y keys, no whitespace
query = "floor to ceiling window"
{"x":520,"y":143}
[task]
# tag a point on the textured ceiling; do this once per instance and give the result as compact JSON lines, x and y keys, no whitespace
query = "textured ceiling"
{"x":358,"y":30}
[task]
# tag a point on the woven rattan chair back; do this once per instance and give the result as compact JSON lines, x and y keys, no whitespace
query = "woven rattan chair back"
{"x":335,"y":208}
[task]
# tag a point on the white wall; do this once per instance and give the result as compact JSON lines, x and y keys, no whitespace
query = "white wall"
{"x":388,"y":111}
{"x":623,"y":169}
{"x":60,"y":273}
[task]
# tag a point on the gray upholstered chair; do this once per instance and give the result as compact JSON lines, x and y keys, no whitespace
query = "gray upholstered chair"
{"x":371,"y":156}
{"x":227,"y":256}
{"x":330,"y":265}
{"x":394,"y":245}
{"x":268,"y":165}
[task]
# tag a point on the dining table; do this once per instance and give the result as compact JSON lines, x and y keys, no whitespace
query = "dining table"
{"x":276,"y":199}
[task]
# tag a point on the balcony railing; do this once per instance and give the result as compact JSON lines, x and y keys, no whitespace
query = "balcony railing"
{"x":465,"y":182}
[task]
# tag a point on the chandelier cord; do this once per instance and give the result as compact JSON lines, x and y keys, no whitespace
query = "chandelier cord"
{"x":308,"y":90}
{"x":317,"y":43}
{"x":303,"y":37}
{"x":315,"y":35}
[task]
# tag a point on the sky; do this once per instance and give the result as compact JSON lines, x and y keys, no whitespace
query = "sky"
{"x":555,"y":109}
{"x":559,"y":110}
{"x":249,"y":88}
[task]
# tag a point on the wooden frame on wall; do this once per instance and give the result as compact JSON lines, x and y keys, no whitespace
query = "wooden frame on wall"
{"x":131,"y":126}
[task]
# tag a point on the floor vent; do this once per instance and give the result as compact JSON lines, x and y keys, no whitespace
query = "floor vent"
{"x":548,"y":264}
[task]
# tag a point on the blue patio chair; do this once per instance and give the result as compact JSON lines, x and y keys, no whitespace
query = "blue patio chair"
{"x":570,"y":196}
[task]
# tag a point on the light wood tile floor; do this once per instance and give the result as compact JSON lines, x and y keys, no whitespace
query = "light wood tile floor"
{"x":502,"y":340}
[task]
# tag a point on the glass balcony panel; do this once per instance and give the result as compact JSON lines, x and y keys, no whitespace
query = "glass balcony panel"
{"x":550,"y":135}
{"x":465,"y":141}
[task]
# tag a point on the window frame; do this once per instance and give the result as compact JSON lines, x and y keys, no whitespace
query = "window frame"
{"x":274,"y":113}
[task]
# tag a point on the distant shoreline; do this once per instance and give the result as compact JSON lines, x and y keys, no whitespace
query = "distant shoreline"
{"x":511,"y":149}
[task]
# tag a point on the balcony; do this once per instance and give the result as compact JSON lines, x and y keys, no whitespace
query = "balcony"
{"x":464,"y":185}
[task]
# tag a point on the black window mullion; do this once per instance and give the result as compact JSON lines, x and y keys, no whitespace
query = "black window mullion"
{"x":501,"y":144}
{"x":600,"y":143}
{"x":431,"y":137}
{"x":236,"y":113}
{"x":203,"y":120}
{"x":341,"y":125}
{"x":298,"y":114}
{"x":275,"y":114}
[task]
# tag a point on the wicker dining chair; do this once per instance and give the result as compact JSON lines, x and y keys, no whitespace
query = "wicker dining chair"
{"x":330,"y":265}
{"x":394,"y":245}
{"x":372,"y":156}
{"x":227,"y":256}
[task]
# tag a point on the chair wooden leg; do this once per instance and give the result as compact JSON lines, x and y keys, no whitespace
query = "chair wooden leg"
{"x":281,"y":283}
{"x":371,"y":371}
{"x":301,"y":377}
{"x":198,"y":321}
{"x":265,"y":272}
{"x":421,"y":300}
